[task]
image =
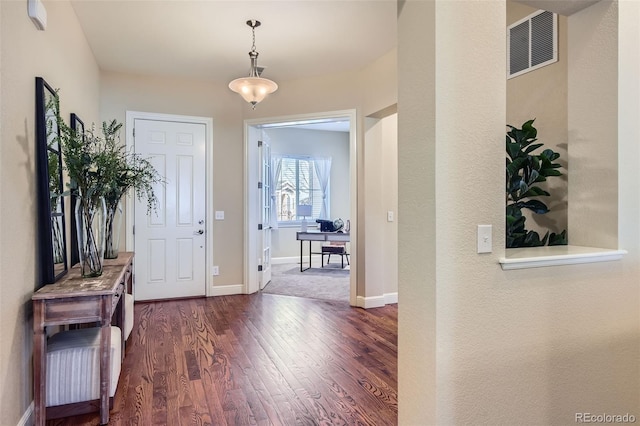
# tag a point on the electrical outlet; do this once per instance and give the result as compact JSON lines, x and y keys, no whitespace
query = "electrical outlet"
{"x":216,"y":271}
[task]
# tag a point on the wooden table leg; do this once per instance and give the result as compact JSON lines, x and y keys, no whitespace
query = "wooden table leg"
{"x":39,"y":364}
{"x":119,"y":316}
{"x":105,"y":362}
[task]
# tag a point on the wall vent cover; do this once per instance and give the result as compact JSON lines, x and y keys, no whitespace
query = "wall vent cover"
{"x":532,"y":43}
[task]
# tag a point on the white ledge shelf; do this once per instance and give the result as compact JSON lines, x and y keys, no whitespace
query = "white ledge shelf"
{"x":538,"y":257}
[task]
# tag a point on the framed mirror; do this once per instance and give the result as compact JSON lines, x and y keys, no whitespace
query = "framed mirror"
{"x":77,"y":125}
{"x":51,"y":217}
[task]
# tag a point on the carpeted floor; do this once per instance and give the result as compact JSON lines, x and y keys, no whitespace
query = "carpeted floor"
{"x":328,"y":283}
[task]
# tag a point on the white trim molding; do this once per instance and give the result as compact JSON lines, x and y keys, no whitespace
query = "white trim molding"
{"x":131,"y":116}
{"x":538,"y":257}
{"x":295,"y":260}
{"x":226,"y":290}
{"x":26,"y":419}
{"x":370,"y":302}
{"x":391,"y":298}
{"x":377,"y":301}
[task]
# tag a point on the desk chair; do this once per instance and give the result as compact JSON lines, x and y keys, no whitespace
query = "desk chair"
{"x":338,"y":248}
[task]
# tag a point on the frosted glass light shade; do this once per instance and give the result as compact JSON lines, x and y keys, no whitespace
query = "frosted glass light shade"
{"x":253,"y":89}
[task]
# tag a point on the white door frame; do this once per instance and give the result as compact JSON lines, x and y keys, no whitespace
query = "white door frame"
{"x":208,"y":123}
{"x":251,"y":210}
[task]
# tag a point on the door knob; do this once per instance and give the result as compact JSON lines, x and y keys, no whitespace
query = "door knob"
{"x":199,"y":232}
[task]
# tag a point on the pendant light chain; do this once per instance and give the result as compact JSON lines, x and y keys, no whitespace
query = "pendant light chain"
{"x":253,"y":31}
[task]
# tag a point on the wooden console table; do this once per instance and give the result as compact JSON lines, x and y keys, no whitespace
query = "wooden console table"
{"x":77,"y":300}
{"x":319,"y":236}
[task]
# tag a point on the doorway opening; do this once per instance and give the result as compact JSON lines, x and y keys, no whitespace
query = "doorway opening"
{"x":272,"y":221}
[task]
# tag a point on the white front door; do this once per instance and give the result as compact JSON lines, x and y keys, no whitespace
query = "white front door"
{"x":265,"y":213}
{"x":170,"y":243}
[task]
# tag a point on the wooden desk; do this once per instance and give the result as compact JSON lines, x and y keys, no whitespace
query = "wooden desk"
{"x":319,"y":236}
{"x":77,"y":300}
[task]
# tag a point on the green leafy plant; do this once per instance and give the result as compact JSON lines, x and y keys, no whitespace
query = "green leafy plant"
{"x":100,"y":167}
{"x":127,"y":170}
{"x":525,"y":170}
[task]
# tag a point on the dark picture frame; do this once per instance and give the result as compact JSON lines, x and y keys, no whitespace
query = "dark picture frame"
{"x":50,"y":186}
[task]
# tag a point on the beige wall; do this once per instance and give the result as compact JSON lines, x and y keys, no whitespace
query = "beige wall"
{"x":593,"y":126}
{"x":416,"y":213}
{"x":60,"y":55}
{"x":479,"y":345}
{"x":628,"y":146}
{"x":542,"y":94}
{"x":389,"y":171}
{"x":381,"y":196}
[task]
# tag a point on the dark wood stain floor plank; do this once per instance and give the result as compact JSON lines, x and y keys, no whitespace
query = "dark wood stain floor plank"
{"x":257,"y":359}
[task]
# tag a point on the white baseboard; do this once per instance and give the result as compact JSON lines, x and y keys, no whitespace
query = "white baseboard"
{"x":376,"y":301}
{"x":226,"y":290}
{"x":283,"y":260}
{"x":370,"y":302}
{"x":26,"y":419}
{"x":391,"y":298}
{"x":294,"y":259}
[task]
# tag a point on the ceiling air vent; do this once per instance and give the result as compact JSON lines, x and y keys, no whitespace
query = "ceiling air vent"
{"x":532,"y":43}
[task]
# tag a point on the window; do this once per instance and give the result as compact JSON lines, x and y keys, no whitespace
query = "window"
{"x":532,"y":43}
{"x":298,"y":184}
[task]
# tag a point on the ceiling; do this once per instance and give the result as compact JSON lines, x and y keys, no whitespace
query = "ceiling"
{"x":209,"y":39}
{"x":561,"y":7}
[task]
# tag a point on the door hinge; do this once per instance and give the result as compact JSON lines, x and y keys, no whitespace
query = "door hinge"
{"x":259,"y":185}
{"x":133,"y":231}
{"x":259,"y":268}
{"x":134,"y":132}
{"x":259,"y":144}
{"x":259,"y":227}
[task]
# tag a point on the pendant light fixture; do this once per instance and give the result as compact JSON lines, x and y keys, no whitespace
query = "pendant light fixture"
{"x":254,"y":88}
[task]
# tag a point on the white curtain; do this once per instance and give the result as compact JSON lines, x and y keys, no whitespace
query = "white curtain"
{"x":276,"y":168}
{"x":323,"y":171}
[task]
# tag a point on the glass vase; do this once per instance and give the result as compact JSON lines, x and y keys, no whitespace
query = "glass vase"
{"x":90,"y":223}
{"x":113,"y":225}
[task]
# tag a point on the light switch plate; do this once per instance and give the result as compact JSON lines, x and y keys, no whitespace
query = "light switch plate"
{"x":219,"y":215}
{"x":390,"y":216}
{"x":484,"y":239}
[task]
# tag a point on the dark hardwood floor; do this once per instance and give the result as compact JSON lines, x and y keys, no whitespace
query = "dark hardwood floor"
{"x":259,"y":359}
